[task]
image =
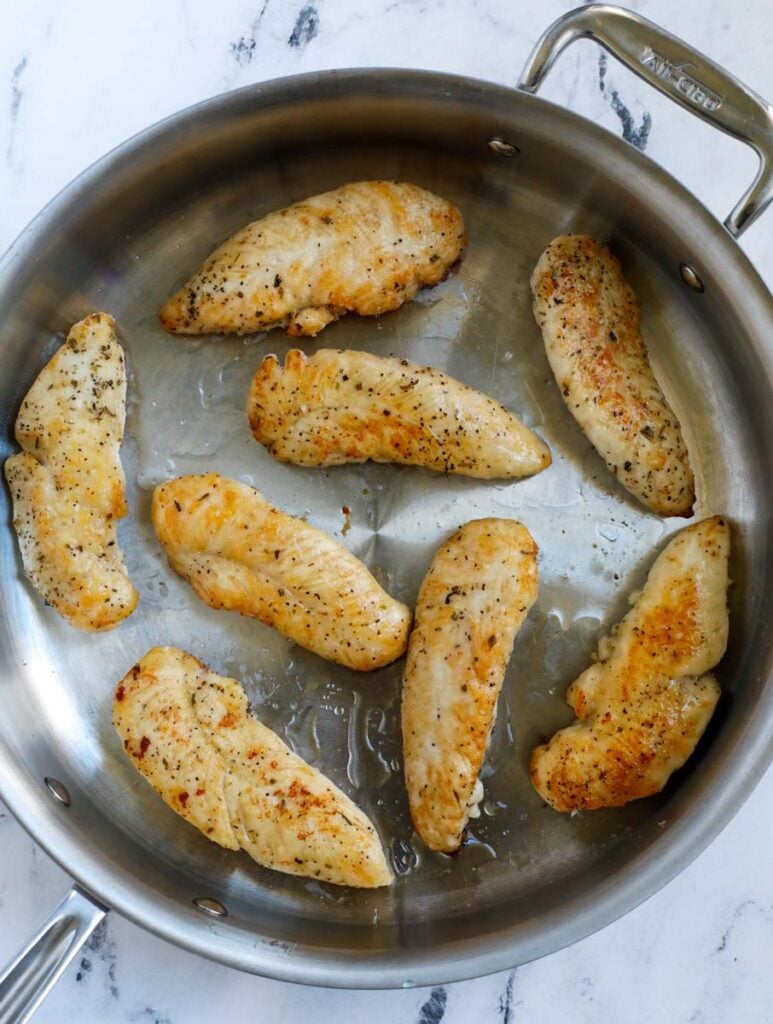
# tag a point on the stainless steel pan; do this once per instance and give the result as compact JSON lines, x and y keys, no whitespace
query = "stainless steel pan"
{"x":522,"y":170}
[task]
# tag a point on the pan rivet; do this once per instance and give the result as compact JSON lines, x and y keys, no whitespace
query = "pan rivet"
{"x":503,"y":148}
{"x":690,"y":278}
{"x":210,"y":906}
{"x":57,"y":790}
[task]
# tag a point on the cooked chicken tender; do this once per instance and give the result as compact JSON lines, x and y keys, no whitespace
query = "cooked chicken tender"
{"x":363,"y":248}
{"x":242,"y":554}
{"x":189,"y":732}
{"x":474,"y":599}
{"x":643,"y":706}
{"x":590,"y":322}
{"x":339,"y":407}
{"x":67,"y":484}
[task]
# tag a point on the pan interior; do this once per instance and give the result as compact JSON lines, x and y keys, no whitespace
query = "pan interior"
{"x":122,"y":249}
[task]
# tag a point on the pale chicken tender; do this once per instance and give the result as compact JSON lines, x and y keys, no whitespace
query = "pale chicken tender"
{"x":472,"y":603}
{"x":240,"y":553}
{"x":189,"y":732}
{"x":643,"y":706}
{"x":348,"y":406}
{"x":363,"y":248}
{"x":589,"y":318}
{"x":67,"y":484}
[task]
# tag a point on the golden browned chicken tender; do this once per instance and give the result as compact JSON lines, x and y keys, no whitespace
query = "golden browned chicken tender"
{"x":474,"y":599}
{"x":363,"y":248}
{"x":590,"y":322}
{"x":67,"y":484}
{"x":242,"y":554}
{"x":643,"y":706}
{"x":339,"y":407}
{"x":189,"y":732}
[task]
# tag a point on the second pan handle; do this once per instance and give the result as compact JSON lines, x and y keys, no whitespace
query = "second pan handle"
{"x":680,"y":72}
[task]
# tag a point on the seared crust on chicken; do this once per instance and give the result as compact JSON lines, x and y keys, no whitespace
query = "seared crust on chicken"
{"x":474,"y":599}
{"x":643,"y":706}
{"x":338,"y":407}
{"x":363,"y":248}
{"x":189,"y":732}
{"x":590,"y":322}
{"x":242,"y":554}
{"x":67,"y":484}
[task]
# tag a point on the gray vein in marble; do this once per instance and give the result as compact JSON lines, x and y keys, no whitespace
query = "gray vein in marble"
{"x":103,"y":947}
{"x":187,"y":23}
{"x":16,"y":98}
{"x":84,"y":968}
{"x":433,"y":1011}
{"x":636,"y":136}
{"x":416,"y":6}
{"x":742,"y":910}
{"x":149,"y":1016}
{"x":306,"y":27}
{"x":506,"y":1000}
{"x":243,"y":50}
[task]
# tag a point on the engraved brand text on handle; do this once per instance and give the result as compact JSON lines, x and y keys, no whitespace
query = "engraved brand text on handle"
{"x":677,"y":74}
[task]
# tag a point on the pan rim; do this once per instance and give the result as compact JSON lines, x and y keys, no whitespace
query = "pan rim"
{"x":626,"y":887}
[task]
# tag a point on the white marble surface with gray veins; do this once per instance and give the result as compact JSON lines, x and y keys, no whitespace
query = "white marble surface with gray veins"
{"x":78,"y":78}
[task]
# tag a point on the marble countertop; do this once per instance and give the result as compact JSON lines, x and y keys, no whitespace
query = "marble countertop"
{"x":78,"y":78}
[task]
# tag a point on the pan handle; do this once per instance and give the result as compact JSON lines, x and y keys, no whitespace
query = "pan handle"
{"x":26,"y":980}
{"x":678,"y":71}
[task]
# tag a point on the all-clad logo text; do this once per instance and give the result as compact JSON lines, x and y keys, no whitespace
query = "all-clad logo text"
{"x":677,"y":74}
